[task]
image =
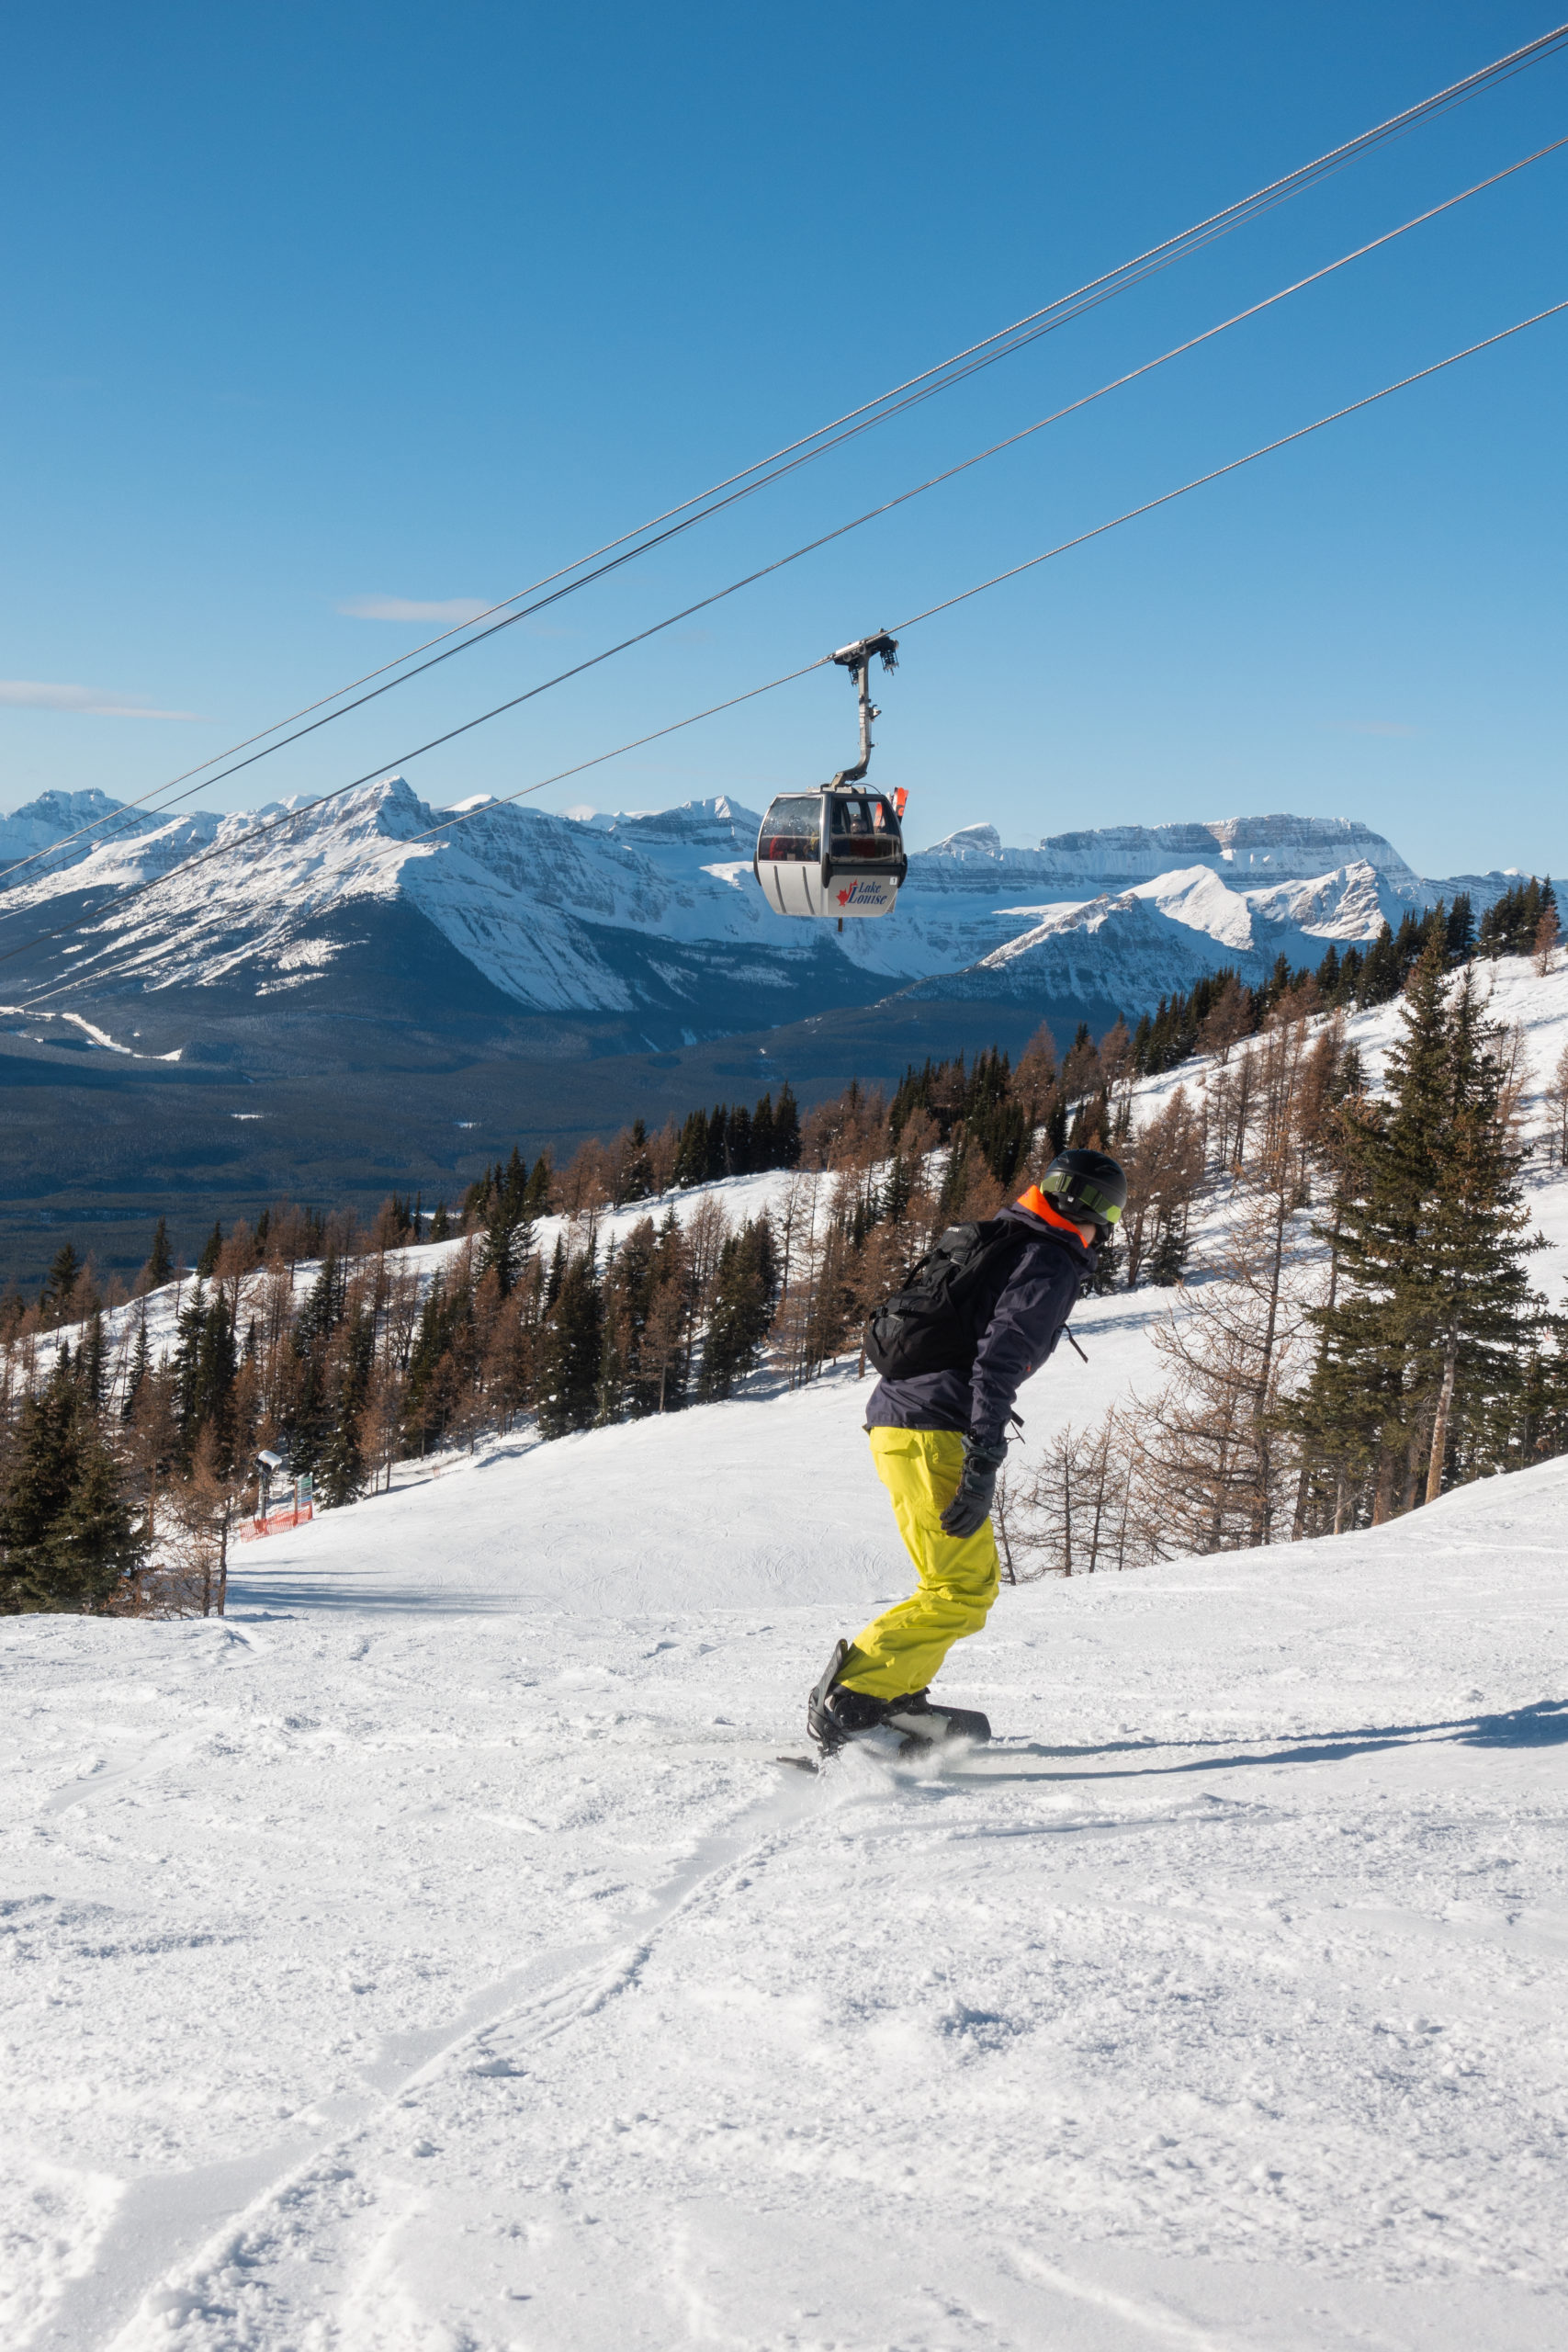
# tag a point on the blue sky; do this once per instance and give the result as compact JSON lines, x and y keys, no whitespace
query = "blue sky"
{"x":317,"y":308}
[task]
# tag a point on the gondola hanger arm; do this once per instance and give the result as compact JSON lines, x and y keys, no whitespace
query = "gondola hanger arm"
{"x":856,"y":660}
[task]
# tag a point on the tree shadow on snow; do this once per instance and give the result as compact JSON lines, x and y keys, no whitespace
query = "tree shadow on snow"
{"x":1543,"y":1724}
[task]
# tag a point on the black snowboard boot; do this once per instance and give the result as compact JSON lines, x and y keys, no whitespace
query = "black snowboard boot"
{"x":834,"y":1716}
{"x":924,"y":1725}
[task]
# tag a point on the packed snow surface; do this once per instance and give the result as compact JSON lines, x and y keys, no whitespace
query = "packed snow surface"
{"x":432,"y":1955}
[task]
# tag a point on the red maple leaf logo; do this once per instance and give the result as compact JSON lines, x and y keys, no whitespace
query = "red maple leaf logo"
{"x":843,"y":897}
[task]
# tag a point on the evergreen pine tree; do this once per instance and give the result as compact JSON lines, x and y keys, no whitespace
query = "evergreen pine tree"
{"x":322,"y":1311}
{"x":569,"y":1352}
{"x":141,"y":1365}
{"x":1381,"y":973}
{"x":1168,"y":1259}
{"x":66,"y":1537}
{"x":536,"y":1200}
{"x":92,"y":1364}
{"x":161,"y":1261}
{"x":340,"y":1473}
{"x":309,"y":1419}
{"x":786,"y":1130}
{"x":1508,"y":927}
{"x":955,"y":1175}
{"x":94,"y":1544}
{"x":40,"y":1472}
{"x":213,"y":1403}
{"x":1427,"y":1338}
{"x":1110,"y":1266}
{"x":636,"y":1176}
{"x":58,"y":1286}
{"x":421,"y":1420}
{"x":665,"y":1353}
{"x":206,"y":1264}
{"x":744,"y":1293}
{"x":186,"y":1369}
{"x":616,"y":1346}
{"x":1000,"y":1127}
{"x":1461,"y":929}
{"x":508,"y":1226}
{"x":1408,"y":942}
{"x":737,"y":1142}
{"x":1481,"y":1315}
{"x":692,"y":1152}
{"x":628,"y":1296}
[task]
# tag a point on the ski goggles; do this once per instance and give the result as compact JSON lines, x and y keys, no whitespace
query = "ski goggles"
{"x":1078,"y":1193}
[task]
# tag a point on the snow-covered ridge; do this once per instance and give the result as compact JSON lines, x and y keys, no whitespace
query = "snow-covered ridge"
{"x":614,"y":912}
{"x":1246,"y":850}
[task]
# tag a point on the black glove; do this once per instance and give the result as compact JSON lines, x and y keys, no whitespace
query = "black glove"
{"x":971,"y":1506}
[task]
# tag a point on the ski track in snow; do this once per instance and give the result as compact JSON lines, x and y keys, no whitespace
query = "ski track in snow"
{"x":390,"y":1968}
{"x":432,"y":1956}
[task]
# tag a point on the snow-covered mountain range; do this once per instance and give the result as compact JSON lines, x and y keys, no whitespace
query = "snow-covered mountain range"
{"x":656,"y":916}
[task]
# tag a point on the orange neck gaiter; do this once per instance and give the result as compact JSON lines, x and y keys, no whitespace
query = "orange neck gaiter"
{"x":1035,"y":1200}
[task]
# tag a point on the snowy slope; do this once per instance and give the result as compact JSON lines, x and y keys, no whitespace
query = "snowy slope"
{"x":1515,"y":995}
{"x":431,"y":1955}
{"x":660,"y":910}
{"x":741,"y":1198}
{"x":1162,"y":935}
{"x":1119,"y":1324}
{"x":1219,"y":2005}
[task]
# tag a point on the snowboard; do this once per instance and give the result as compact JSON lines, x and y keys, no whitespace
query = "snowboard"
{"x":927,"y":1731}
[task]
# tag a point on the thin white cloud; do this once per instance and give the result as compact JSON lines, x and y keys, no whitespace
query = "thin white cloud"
{"x":454,"y":610}
{"x":33,"y":693}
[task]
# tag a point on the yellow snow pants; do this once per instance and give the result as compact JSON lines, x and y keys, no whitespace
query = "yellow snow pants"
{"x":901,"y":1650}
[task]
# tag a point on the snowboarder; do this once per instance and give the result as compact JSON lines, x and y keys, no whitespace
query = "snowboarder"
{"x":981,"y":1312}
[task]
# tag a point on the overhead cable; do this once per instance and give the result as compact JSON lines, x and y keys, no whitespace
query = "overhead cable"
{"x":780,"y":563}
{"x":1061,"y":312}
{"x":449,"y":823}
{"x":1031,"y":563}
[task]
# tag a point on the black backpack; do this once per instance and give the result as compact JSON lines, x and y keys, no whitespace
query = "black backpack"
{"x":937,"y":1321}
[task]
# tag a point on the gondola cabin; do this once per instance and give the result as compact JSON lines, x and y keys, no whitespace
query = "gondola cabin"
{"x":831,"y":852}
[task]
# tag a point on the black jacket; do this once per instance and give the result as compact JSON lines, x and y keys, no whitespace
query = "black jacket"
{"x":1043,"y":1287}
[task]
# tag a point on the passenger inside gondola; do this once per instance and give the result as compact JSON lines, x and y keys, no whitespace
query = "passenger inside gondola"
{"x":860,"y":828}
{"x":793,"y":829}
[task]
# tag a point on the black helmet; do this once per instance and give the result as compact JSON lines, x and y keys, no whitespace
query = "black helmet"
{"x":1088,"y":1186}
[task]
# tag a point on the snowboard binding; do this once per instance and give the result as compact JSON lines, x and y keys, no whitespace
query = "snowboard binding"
{"x":835,"y":1717}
